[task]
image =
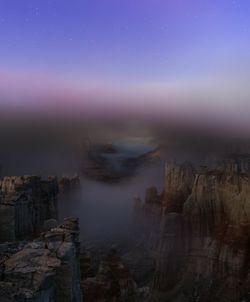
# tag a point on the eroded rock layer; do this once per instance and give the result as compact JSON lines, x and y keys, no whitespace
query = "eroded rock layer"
{"x":46,"y":269}
{"x":25,"y":203}
{"x":178,"y":185}
{"x":69,"y":185}
{"x":202,"y":251}
{"x":112,"y":282}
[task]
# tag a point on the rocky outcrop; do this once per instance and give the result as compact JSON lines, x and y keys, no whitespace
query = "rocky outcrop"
{"x":25,"y":203}
{"x":152,"y":208}
{"x":170,"y":252}
{"x":69,"y":185}
{"x":46,"y":269}
{"x":234,"y":163}
{"x":178,"y":185}
{"x":147,"y":217}
{"x":203,"y":253}
{"x":170,"y":247}
{"x":106,"y":162}
{"x":112,"y":282}
{"x":218,"y":213}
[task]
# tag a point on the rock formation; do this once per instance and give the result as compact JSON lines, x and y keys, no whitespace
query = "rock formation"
{"x":46,"y":269}
{"x":112,"y":282}
{"x":106,"y":162}
{"x":152,"y":208}
{"x":178,"y":185}
{"x":25,"y":203}
{"x":69,"y":185}
{"x":203,"y":253}
{"x":169,"y":253}
{"x":238,"y":163}
{"x":218,"y":214}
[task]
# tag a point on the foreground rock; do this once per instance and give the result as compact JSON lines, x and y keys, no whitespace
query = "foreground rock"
{"x":69,"y":185}
{"x":25,"y":203}
{"x":178,"y":185}
{"x":112,"y":282}
{"x":46,"y":269}
{"x":202,"y":249}
{"x":218,"y":217}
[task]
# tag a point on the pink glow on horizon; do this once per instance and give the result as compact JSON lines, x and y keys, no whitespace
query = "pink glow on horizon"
{"x":26,"y":93}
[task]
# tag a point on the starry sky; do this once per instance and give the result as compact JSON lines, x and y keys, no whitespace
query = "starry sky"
{"x":188,"y":57}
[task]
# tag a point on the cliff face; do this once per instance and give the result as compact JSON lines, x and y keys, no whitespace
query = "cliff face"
{"x":25,"y":203}
{"x":69,"y":185}
{"x":152,"y":208}
{"x":203,"y":251}
{"x":112,"y":282}
{"x":218,"y":215}
{"x":178,"y":185}
{"x":46,"y":269}
{"x":169,"y":253}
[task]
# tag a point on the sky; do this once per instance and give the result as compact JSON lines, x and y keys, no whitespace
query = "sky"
{"x":186,"y":57}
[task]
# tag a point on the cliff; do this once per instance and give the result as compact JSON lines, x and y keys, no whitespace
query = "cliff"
{"x":203,"y":253}
{"x":178,"y":185}
{"x":25,"y":203}
{"x":112,"y":282}
{"x":218,"y":214}
{"x":46,"y":269}
{"x":69,"y":185}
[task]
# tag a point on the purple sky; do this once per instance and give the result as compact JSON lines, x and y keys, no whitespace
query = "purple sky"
{"x":187,"y":56}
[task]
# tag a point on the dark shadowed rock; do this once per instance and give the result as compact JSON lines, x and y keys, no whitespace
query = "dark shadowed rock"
{"x":178,"y":185}
{"x":25,"y":203}
{"x":69,"y":185}
{"x":46,"y":269}
{"x":113,"y":282}
{"x":203,"y":251}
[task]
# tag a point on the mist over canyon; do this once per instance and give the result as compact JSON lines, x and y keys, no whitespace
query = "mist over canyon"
{"x":146,"y":213}
{"x":124,"y":151}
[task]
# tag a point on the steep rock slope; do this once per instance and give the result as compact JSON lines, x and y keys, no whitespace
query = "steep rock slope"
{"x":25,"y":203}
{"x":112,"y":282}
{"x":203,"y":253}
{"x":178,"y":185}
{"x":46,"y":269}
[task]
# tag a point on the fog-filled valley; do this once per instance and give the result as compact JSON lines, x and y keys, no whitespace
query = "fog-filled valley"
{"x":133,"y":211}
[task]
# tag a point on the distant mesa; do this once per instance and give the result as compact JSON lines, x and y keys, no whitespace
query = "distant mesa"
{"x":109,"y":163}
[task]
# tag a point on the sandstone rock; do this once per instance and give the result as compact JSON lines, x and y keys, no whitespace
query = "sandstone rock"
{"x":203,"y":253}
{"x":112,"y":282}
{"x":69,"y":185}
{"x":170,"y":252}
{"x":178,"y":185}
{"x":234,"y":163}
{"x":46,"y":269}
{"x":25,"y":203}
{"x":49,"y":224}
{"x":152,"y":208}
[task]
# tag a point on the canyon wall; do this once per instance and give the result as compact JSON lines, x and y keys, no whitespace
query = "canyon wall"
{"x":179,"y":181}
{"x":113,"y":282}
{"x":203,"y":247}
{"x":69,"y":185}
{"x":25,"y":203}
{"x":44,"y":270}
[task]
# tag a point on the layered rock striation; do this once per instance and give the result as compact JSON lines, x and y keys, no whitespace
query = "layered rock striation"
{"x":112,"y":282}
{"x":25,"y":203}
{"x":46,"y":269}
{"x":203,"y":247}
{"x":69,"y":185}
{"x":178,"y":185}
